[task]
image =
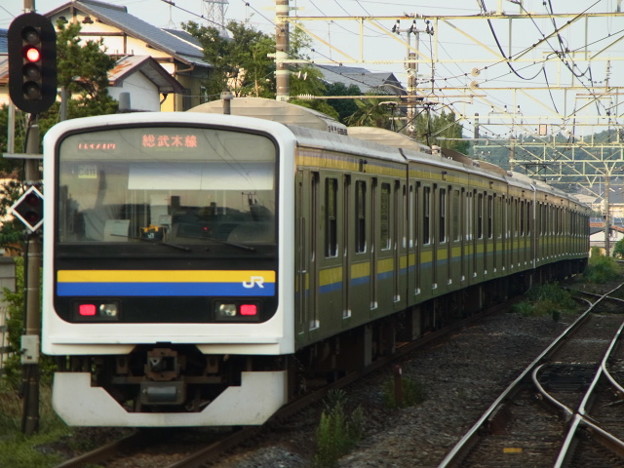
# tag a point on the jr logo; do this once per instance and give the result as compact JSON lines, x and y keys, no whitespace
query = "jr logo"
{"x":253,"y":281}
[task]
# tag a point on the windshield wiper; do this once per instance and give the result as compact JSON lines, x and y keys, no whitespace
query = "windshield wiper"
{"x":221,"y":241}
{"x":155,"y":241}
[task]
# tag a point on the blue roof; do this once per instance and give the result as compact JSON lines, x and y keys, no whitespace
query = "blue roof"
{"x":119,"y":17}
{"x":4,"y":47}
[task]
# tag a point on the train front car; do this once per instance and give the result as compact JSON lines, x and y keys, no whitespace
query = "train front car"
{"x":165,"y":236}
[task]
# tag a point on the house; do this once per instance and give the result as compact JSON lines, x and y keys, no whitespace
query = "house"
{"x":125,"y":35}
{"x":597,"y":234}
{"x":144,"y":80}
{"x":145,"y":53}
{"x":368,"y":82}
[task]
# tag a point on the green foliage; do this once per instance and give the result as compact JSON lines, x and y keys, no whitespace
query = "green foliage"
{"x":618,"y":249}
{"x":337,"y":432}
{"x":11,"y":231}
{"x":18,"y":450}
{"x":10,"y":167}
{"x":241,"y":64}
{"x":601,"y":268}
{"x":371,"y":113}
{"x":414,"y":393}
{"x":344,"y":107}
{"x":545,"y":299}
{"x":15,"y":303}
{"x":431,"y":128}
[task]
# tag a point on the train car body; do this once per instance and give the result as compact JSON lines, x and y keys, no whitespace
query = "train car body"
{"x":200,"y":269}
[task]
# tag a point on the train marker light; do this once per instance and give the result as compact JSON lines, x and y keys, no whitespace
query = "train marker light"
{"x":87,"y":310}
{"x":32,"y":62}
{"x":29,"y":208}
{"x":249,"y":309}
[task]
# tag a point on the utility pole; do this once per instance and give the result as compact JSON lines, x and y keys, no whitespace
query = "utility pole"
{"x":411,"y":66}
{"x":282,"y":73}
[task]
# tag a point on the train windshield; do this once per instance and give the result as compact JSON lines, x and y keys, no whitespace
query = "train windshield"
{"x":175,"y":186}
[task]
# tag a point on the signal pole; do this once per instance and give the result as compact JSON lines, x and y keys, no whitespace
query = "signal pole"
{"x":32,"y":266}
{"x":32,"y":88}
{"x":32,"y":320}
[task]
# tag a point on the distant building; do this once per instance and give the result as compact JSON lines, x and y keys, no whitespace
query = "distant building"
{"x":368,"y":82}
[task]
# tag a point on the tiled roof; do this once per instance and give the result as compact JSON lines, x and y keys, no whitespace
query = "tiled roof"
{"x":119,"y":17}
{"x":380,"y":82}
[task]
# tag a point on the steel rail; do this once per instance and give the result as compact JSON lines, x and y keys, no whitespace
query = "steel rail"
{"x":461,"y":449}
{"x":581,"y":416}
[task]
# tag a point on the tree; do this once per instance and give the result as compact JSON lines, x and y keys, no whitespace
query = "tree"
{"x":372,"y":113}
{"x":434,"y":129}
{"x":344,"y":107}
{"x":241,"y":63}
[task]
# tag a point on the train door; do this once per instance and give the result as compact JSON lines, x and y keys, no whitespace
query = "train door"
{"x":374,"y":244}
{"x":398,"y":237}
{"x":463,"y":234}
{"x":428,"y":272}
{"x":362,"y":289}
{"x":347,"y":233}
{"x":413,"y":242}
{"x":307,"y":192}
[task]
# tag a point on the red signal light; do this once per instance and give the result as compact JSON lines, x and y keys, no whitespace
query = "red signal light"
{"x":32,"y":54}
{"x":32,"y":62}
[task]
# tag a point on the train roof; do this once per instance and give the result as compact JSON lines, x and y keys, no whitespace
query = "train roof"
{"x":387,"y":137}
{"x":277,"y":111}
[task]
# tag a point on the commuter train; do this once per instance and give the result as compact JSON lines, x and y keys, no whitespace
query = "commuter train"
{"x":202,"y":269}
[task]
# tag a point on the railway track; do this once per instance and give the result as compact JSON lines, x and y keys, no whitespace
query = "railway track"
{"x":167,"y":450}
{"x":565,"y":408}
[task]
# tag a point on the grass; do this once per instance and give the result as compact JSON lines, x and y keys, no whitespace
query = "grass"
{"x":601,"y":269}
{"x":338,"y":432}
{"x":18,"y":450}
{"x":546,"y":299}
{"x":413,"y":393}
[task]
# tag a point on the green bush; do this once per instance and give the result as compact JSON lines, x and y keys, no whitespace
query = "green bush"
{"x":601,"y":269}
{"x":337,"y":432}
{"x":414,"y":393}
{"x":545,"y":299}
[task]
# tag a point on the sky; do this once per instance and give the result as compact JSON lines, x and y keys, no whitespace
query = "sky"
{"x":460,"y":66}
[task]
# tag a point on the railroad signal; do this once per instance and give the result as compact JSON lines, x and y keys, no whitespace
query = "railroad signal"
{"x":29,"y":208}
{"x":32,"y":62}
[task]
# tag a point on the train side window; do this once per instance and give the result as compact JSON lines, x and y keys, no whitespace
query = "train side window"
{"x":331,"y":217}
{"x":480,"y":216}
{"x":442,"y":210}
{"x":426,"y":215}
{"x":490,"y":215}
{"x":469,"y":212}
{"x":360,"y":216}
{"x":384,"y":217}
{"x":411,"y":217}
{"x":455,"y":216}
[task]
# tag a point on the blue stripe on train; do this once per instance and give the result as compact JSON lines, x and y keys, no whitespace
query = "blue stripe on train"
{"x":162,"y":289}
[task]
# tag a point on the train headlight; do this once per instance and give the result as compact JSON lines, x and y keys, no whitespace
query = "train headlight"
{"x":108,"y":310}
{"x":225,"y":311}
